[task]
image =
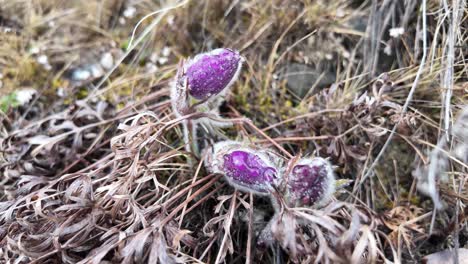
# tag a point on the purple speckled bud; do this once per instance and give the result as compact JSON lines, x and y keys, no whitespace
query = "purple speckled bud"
{"x":210,"y":73}
{"x":245,"y":168}
{"x":311,"y":182}
{"x":248,"y":170}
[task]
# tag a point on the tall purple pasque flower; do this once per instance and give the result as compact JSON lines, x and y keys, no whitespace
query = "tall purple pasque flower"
{"x":210,"y":73}
{"x":310,"y":182}
{"x":245,"y":168}
{"x":199,"y":87}
{"x":203,"y":78}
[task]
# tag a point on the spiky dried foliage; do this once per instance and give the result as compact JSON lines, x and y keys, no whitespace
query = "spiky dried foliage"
{"x":101,"y":173}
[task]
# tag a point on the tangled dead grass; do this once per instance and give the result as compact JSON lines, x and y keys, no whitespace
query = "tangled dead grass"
{"x":95,"y":170}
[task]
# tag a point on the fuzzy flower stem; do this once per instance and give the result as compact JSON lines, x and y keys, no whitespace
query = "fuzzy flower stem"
{"x":186,"y":135}
{"x":193,"y":141}
{"x":190,"y":140}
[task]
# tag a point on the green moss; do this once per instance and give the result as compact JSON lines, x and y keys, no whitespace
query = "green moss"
{"x":8,"y":101}
{"x":120,"y":106}
{"x":415,"y":200}
{"x":82,"y":93}
{"x":124,"y":45}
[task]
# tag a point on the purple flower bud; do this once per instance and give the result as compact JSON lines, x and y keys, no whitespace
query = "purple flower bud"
{"x":310,"y":182}
{"x":247,"y":169}
{"x":210,"y":73}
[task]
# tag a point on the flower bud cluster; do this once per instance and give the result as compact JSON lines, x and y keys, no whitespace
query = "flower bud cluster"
{"x":200,"y":85}
{"x":199,"y":88}
{"x":309,"y":182}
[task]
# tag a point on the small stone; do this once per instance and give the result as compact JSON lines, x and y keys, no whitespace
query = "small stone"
{"x":96,"y":70}
{"x":396,"y":32}
{"x":80,"y":75}
{"x":42,"y":59}
{"x":153,"y":57}
{"x":166,"y":51}
{"x":23,"y":96}
{"x":129,"y":12}
{"x":170,"y":19}
{"x":61,"y":92}
{"x":163,"y":60}
{"x":107,"y":61}
{"x":34,"y":50}
{"x":388,"y":50}
{"x":346,"y":54}
{"x":151,"y":67}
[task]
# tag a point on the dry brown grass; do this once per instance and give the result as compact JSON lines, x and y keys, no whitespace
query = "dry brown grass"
{"x":96,"y":170}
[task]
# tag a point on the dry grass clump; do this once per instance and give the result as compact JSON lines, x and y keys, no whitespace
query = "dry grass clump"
{"x":95,"y":169}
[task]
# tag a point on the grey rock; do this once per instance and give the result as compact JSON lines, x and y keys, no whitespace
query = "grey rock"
{"x":300,"y":78}
{"x":446,"y":257}
{"x":358,"y":23}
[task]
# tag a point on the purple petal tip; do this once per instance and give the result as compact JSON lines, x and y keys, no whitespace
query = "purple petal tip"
{"x":210,"y":73}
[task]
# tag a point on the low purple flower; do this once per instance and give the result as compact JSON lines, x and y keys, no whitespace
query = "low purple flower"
{"x":210,"y":73}
{"x":310,"y":182}
{"x":245,"y":168}
{"x":248,"y":170}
